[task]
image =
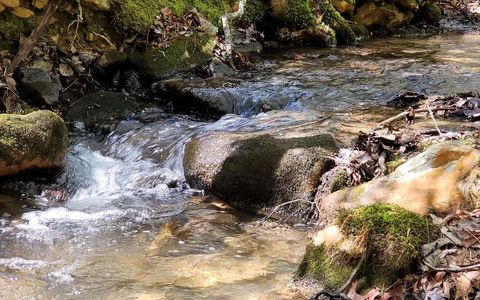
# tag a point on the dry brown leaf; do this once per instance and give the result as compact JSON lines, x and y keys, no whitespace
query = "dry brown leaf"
{"x":463,"y":286}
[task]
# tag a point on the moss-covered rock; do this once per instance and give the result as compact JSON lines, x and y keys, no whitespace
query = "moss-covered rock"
{"x":140,"y":14}
{"x":183,"y":54}
{"x":393,"y":237}
{"x":332,"y":17}
{"x":387,"y":236}
{"x":37,"y":140}
{"x":431,"y":12}
{"x":294,"y":14}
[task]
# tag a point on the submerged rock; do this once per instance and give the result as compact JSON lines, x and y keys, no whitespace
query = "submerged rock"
{"x":34,"y":141}
{"x":259,"y":170}
{"x":38,"y":86}
{"x":440,"y":180}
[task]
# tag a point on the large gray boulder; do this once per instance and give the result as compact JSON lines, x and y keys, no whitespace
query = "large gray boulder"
{"x":37,"y":140}
{"x":260,"y":170}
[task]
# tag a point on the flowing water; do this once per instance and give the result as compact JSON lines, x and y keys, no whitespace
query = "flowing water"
{"x":131,"y":228}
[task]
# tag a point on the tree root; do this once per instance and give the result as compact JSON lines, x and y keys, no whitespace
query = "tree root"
{"x":340,"y":293}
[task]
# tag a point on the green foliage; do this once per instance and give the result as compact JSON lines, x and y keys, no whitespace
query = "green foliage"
{"x":254,"y":12}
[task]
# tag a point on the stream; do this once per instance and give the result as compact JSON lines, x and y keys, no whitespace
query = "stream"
{"x":131,"y":228}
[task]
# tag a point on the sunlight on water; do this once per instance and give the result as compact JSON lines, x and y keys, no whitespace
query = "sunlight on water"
{"x":129,"y":227}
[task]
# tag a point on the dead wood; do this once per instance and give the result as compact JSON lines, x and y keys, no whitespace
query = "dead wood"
{"x":405,"y":113}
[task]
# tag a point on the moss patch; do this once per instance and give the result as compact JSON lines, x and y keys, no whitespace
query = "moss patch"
{"x":389,"y":236}
{"x":394,"y":239}
{"x":295,"y":14}
{"x":140,"y":14}
{"x":12,"y":27}
{"x":254,"y":12}
{"x":35,"y":139}
{"x":183,"y":54}
{"x":328,"y":265}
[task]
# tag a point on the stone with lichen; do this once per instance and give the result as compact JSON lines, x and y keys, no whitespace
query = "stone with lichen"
{"x":37,"y":140}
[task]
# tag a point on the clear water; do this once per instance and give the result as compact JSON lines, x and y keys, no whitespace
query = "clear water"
{"x":132,"y":229}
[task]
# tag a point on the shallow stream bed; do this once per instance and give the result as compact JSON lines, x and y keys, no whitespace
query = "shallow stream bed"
{"x":132,"y":229}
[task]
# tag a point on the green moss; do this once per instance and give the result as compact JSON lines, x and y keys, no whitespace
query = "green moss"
{"x":38,"y":136}
{"x":431,"y":12}
{"x":297,"y":14}
{"x":394,"y":238}
{"x":12,"y":27}
{"x":254,"y":12}
{"x":140,"y":14}
{"x":330,"y":266}
{"x":339,"y":182}
{"x":212,"y":9}
{"x":394,"y":164}
{"x":337,"y":22}
{"x":183,"y":54}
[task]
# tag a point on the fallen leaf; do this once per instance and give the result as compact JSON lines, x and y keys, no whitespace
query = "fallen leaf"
{"x":65,"y":70}
{"x":22,"y":13}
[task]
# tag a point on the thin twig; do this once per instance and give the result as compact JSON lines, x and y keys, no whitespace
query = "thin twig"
{"x":281,"y":205}
{"x":433,"y":118}
{"x":103,"y":37}
{"x":354,"y":274}
{"x":405,"y":113}
{"x":474,"y":267}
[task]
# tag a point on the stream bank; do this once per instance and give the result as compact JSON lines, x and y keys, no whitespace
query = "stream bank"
{"x":124,"y":217}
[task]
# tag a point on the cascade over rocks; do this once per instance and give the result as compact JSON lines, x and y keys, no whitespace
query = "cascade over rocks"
{"x":259,"y":170}
{"x":37,"y":140}
{"x":214,"y":97}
